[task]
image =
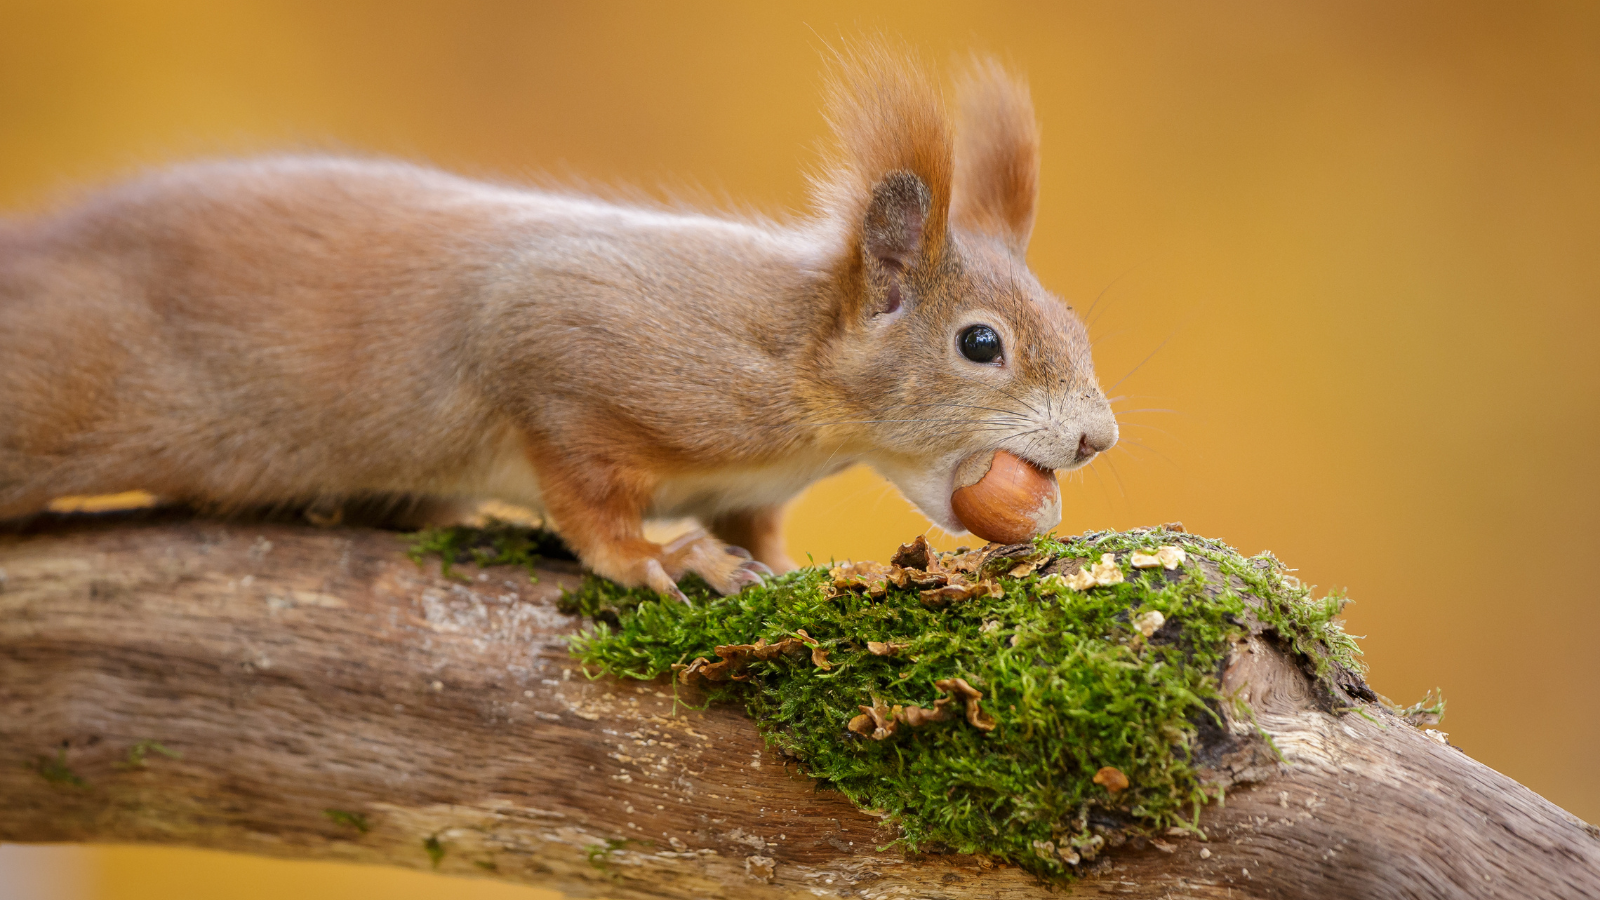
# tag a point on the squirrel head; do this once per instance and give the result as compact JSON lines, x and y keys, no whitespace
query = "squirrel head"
{"x":942,"y":343}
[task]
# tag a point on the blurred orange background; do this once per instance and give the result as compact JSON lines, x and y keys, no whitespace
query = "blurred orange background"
{"x":1344,"y":256}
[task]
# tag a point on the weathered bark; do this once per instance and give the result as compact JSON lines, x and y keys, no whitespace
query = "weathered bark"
{"x":299,"y":671}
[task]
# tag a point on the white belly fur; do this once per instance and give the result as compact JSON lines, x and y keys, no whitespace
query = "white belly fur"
{"x":716,"y":491}
{"x":507,"y":475}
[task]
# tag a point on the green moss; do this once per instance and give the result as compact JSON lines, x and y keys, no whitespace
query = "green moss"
{"x":1071,"y":682}
{"x":1428,"y":711}
{"x":56,"y":771}
{"x":434,"y":849}
{"x":137,"y":753}
{"x":1309,"y":625}
{"x":351,"y":819}
{"x":599,"y":855}
{"x":496,"y":544}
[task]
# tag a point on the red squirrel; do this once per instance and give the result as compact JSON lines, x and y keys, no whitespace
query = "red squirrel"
{"x":311,"y":330}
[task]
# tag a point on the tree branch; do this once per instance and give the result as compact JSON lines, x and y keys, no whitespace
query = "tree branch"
{"x":330,"y":699}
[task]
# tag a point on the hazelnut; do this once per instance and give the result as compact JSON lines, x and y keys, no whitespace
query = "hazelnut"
{"x":1004,"y":498}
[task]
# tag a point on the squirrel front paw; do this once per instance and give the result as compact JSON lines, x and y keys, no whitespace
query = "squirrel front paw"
{"x":728,"y":569}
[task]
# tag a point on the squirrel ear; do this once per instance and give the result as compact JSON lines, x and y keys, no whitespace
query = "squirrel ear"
{"x":996,"y":182}
{"x":890,"y":171}
{"x":891,"y":234}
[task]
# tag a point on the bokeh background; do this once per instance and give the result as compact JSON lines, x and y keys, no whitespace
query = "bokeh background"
{"x":1343,"y":261}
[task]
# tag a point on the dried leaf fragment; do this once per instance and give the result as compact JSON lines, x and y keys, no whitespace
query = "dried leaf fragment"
{"x":735,"y":658}
{"x":866,"y":577}
{"x":723,"y":670}
{"x":876,"y":721}
{"x":960,"y":591}
{"x":886,"y":648}
{"x":1141,"y":559}
{"x":1112,"y":779}
{"x":921,"y":579}
{"x":1081,"y":580}
{"x":965,"y":561}
{"x":915,"y":555}
{"x":971,"y":696}
{"x":916,"y":716}
{"x":1012,"y":556}
{"x":1101,"y":574}
{"x":879,"y":721}
{"x":1106,"y":572}
{"x":1172,"y":557}
{"x":1167,"y":557}
{"x":1149,"y":623}
{"x":819,"y":658}
{"x":864,"y":569}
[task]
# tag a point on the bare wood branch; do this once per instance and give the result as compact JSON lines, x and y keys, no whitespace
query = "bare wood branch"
{"x":316,"y":682}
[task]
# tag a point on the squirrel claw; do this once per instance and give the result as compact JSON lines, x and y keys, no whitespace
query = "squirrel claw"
{"x":740,"y":552}
{"x":750,"y":573}
{"x":658,"y":579}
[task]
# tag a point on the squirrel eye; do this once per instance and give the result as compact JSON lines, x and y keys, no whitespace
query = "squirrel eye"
{"x":980,"y":344}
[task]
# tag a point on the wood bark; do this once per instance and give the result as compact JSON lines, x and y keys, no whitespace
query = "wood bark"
{"x":300,"y":671}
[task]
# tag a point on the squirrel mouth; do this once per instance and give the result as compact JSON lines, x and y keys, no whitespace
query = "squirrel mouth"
{"x":1040,"y":466}
{"x":962,"y":474}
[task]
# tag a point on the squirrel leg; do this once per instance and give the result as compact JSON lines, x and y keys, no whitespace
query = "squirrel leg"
{"x":598,"y":510}
{"x":758,"y":530}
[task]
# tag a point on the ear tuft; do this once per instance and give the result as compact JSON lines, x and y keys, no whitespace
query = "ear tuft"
{"x":889,"y":121}
{"x":996,"y":184}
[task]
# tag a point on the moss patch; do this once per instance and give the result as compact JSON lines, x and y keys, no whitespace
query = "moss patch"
{"x":56,"y":770}
{"x":434,"y":849}
{"x":349,"y":819}
{"x":136,"y":758}
{"x":1073,"y":683}
{"x":495,"y":544}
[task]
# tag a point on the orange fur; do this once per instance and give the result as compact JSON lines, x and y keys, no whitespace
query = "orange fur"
{"x":758,"y":530}
{"x":314,"y":332}
{"x":886,"y":114}
{"x":997,"y":155}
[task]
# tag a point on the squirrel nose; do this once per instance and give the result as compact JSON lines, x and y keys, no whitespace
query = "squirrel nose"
{"x":1089,"y":446}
